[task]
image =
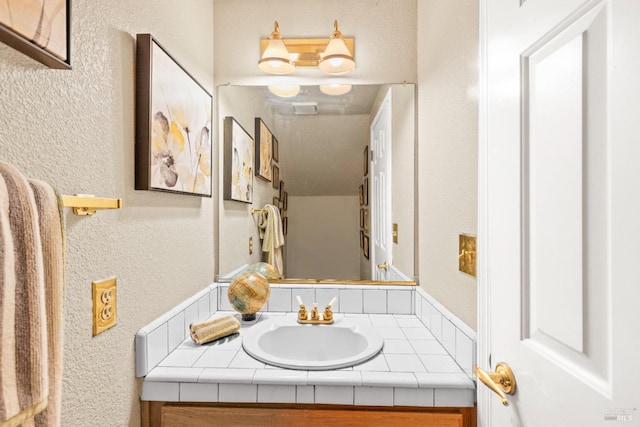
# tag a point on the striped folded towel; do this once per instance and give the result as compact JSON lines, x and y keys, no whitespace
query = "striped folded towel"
{"x":31,"y":286}
{"x":214,"y":329}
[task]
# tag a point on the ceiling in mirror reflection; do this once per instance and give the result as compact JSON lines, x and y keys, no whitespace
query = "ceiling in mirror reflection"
{"x":359,"y":100}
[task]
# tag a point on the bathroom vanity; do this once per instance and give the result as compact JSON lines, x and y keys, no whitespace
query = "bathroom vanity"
{"x":422,"y":374}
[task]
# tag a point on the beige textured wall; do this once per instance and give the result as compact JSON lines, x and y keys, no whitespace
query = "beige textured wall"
{"x":403,"y":179}
{"x":447,"y":129}
{"x":236,"y":224}
{"x":75,"y":129}
{"x":382,"y":29}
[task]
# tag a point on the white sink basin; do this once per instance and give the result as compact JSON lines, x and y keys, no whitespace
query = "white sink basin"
{"x":288,"y":344}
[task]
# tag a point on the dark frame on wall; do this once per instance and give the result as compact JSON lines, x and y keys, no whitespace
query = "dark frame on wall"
{"x":275,"y":176}
{"x":53,"y":18}
{"x":263,"y":150}
{"x":238,"y":180}
{"x":171,"y":156}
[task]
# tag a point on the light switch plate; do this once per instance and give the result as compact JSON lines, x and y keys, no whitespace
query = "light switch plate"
{"x":467,"y":254}
{"x":104,"y":305}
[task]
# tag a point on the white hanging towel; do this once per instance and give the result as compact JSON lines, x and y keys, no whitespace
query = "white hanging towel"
{"x":270,"y":226}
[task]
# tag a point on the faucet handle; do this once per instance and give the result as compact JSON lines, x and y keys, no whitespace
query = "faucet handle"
{"x":302,"y":312}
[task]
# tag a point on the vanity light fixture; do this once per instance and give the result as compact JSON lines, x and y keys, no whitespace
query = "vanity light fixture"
{"x":336,"y":58}
{"x":275,"y":58}
{"x":335,"y":89}
{"x":281,"y":56}
{"x":284,"y":90}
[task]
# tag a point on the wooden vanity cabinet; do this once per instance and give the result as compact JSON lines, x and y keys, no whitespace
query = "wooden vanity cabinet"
{"x":179,"y":414}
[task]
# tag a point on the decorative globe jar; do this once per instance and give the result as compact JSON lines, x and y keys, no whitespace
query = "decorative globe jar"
{"x":267,"y":270}
{"x":248,"y":293}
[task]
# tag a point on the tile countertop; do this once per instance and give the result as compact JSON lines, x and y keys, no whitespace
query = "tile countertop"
{"x":413,"y":369}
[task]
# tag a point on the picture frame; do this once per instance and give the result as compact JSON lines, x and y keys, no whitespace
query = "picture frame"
{"x":263,"y":150}
{"x":365,"y":191}
{"x":361,"y":194}
{"x":281,"y":193}
{"x":361,"y":239}
{"x":276,"y":202}
{"x":42,"y":32}
{"x":276,"y":176}
{"x":276,"y":150}
{"x":366,"y":219}
{"x":285,"y":225}
{"x":366,"y":246}
{"x":361,"y":218}
{"x":285,"y":201}
{"x":238,"y":162}
{"x":365,"y":163}
{"x":173,"y":144}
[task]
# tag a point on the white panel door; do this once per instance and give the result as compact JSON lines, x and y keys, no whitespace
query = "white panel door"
{"x":380,"y":200}
{"x":559,"y":297}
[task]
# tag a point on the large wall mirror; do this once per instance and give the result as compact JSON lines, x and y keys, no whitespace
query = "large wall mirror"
{"x":347,"y":166}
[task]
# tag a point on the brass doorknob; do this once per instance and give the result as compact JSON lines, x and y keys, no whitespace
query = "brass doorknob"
{"x":501,"y":381}
{"x":384,"y":265}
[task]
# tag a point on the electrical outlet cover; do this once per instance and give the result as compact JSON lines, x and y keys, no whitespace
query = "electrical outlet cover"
{"x":104,"y":305}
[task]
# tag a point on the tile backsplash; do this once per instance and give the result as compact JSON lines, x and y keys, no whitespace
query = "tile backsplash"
{"x":160,"y":337}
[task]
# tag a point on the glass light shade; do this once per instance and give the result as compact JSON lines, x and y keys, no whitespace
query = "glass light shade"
{"x":335,"y":89}
{"x":336,"y":58}
{"x":284,"y":91}
{"x":275,"y":59}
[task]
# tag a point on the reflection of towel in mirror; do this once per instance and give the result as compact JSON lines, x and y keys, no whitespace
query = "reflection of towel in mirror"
{"x":270,"y":226}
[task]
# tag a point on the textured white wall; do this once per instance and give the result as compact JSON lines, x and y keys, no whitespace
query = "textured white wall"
{"x":447,"y":129}
{"x":323,"y":239}
{"x":75,"y":129}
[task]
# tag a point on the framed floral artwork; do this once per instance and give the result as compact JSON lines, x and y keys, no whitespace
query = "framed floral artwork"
{"x":173,"y":124}
{"x":264,"y":150}
{"x":40,"y":29}
{"x":238,"y":162}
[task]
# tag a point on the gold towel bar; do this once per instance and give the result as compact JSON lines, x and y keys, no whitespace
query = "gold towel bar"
{"x":88,"y":205}
{"x":255,"y":211}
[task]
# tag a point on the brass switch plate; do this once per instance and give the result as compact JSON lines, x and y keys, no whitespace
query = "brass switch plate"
{"x":104,"y":305}
{"x":467,"y":254}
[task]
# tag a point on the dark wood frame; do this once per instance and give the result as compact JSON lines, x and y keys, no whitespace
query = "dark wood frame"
{"x":275,"y":175}
{"x":144,"y":120}
{"x":281,"y":193}
{"x":22,"y":44}
{"x":361,"y":239}
{"x":361,"y":194}
{"x":361,"y":217}
{"x":366,"y":246}
{"x":365,"y":165}
{"x":258,"y":152}
{"x":365,"y":191}
{"x":228,"y":159}
{"x":366,"y":219}
{"x":276,"y":202}
{"x":275,"y":150}
{"x":285,"y":201}
{"x":285,"y":225}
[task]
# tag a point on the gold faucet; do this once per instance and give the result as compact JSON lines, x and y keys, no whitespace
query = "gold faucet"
{"x":314,"y":312}
{"x":314,"y":317}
